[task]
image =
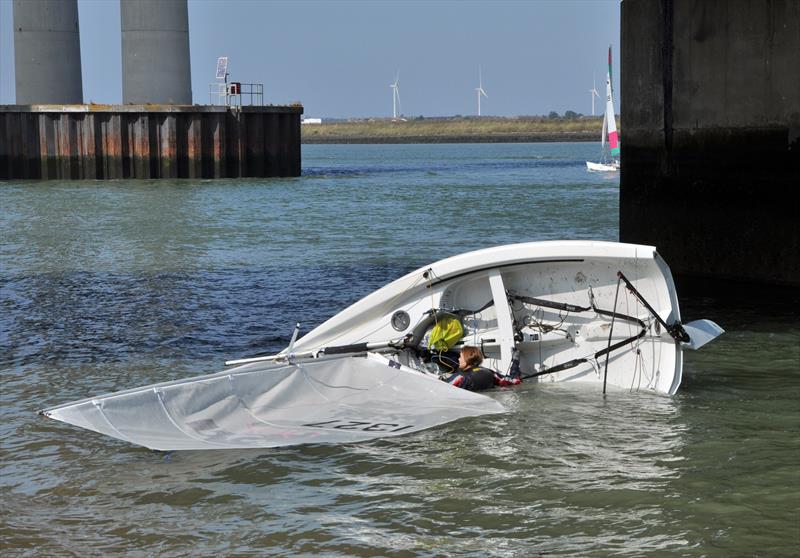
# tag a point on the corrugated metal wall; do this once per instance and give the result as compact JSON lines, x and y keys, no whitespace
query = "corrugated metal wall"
{"x":80,"y":142}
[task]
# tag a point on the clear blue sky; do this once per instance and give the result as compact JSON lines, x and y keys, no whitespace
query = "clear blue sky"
{"x":338,"y":58}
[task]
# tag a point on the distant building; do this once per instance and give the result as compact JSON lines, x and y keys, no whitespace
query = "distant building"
{"x":311,"y":121}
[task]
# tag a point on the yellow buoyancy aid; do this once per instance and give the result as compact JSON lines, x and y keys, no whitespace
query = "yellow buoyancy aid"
{"x":446,"y":333}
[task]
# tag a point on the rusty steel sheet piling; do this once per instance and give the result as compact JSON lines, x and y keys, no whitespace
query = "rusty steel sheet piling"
{"x":97,"y":142}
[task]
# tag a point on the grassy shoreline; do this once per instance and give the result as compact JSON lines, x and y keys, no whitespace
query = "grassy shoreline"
{"x":454,"y":130}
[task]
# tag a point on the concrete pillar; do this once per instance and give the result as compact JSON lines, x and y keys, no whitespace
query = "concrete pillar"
{"x":711,"y":136}
{"x":47,"y":52}
{"x":155,"y":52}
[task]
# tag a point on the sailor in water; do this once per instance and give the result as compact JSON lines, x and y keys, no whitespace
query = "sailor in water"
{"x":474,"y":377}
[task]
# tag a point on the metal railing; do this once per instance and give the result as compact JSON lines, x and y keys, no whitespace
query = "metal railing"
{"x":235,"y":94}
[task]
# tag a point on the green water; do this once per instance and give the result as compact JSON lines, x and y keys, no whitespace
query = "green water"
{"x":110,"y":285}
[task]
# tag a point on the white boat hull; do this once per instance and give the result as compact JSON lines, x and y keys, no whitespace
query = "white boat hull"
{"x":602,"y":167}
{"x":599,"y":313}
{"x":559,"y":271}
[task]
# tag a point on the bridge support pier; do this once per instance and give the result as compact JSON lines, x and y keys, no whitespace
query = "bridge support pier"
{"x":711,"y":136}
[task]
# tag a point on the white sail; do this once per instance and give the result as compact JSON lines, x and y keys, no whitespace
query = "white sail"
{"x":603,"y":133}
{"x":330,"y":400}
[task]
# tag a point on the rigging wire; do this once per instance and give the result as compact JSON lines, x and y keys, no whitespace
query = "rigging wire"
{"x":610,"y":333}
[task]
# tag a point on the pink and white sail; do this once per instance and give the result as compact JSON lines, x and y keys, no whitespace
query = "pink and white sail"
{"x":610,"y":118}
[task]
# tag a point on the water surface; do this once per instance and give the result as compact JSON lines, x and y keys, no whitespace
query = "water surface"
{"x":116,"y":284}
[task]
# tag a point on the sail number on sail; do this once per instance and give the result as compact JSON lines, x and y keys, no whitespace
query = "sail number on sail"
{"x":341,"y":424}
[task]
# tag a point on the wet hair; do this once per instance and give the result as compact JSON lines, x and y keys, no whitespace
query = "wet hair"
{"x":472,"y":355}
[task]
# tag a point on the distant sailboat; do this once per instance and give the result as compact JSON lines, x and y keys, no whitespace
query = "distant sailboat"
{"x":609,"y":161}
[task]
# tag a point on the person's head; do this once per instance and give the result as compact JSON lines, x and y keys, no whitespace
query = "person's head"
{"x":469,"y":357}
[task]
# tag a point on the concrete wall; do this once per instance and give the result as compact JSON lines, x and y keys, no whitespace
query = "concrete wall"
{"x":711,"y":136}
{"x":155,"y":52}
{"x":130,"y":141}
{"x":47,"y":51}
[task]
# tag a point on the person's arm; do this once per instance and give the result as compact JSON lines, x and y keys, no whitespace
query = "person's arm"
{"x":456,"y":379}
{"x":514,"y":376}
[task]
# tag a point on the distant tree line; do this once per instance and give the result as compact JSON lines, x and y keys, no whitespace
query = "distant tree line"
{"x":568,"y":115}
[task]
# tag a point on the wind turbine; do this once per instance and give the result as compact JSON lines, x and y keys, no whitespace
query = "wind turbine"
{"x":480,"y":90}
{"x":395,"y":95}
{"x":593,"y":92}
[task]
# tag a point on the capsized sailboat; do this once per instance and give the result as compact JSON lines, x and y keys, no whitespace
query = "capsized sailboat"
{"x":609,"y":161}
{"x":600,"y":314}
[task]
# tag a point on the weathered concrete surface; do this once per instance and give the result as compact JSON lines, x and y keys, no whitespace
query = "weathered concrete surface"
{"x":148,"y":141}
{"x":47,"y":52}
{"x":711,"y":136}
{"x":155,"y":52}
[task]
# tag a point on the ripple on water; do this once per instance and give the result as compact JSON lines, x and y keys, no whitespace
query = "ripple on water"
{"x":107,"y":286}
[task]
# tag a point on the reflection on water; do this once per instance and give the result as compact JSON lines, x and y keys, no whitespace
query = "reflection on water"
{"x":112,"y":285}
